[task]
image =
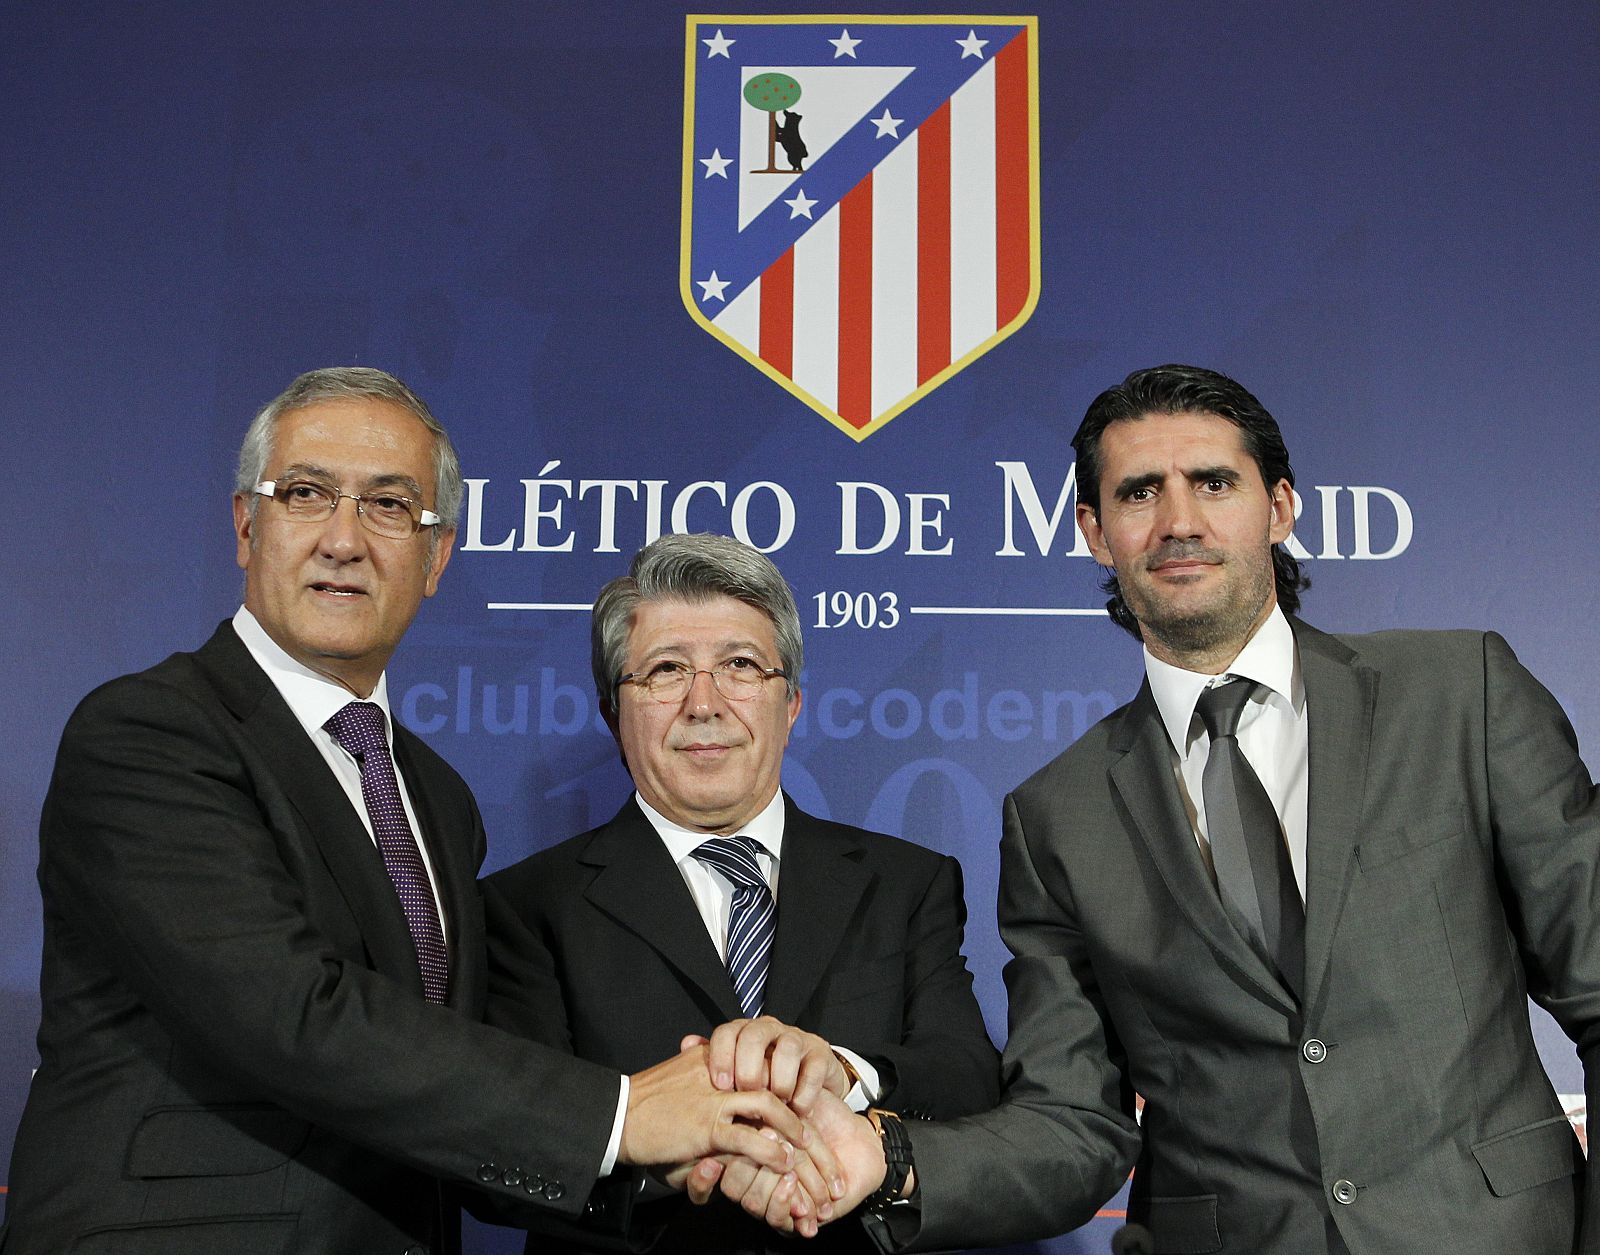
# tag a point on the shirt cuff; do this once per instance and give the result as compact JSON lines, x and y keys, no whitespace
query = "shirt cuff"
{"x":868,"y":1089}
{"x":614,"y":1145}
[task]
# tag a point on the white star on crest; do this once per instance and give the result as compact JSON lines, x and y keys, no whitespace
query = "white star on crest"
{"x":800,"y":205}
{"x":971,"y":46}
{"x":888,"y":124}
{"x":718,"y":45}
{"x":844,"y":46}
{"x":712,"y":287}
{"x":716,"y":164}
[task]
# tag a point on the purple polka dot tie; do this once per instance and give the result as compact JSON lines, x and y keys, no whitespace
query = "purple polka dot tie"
{"x":753,"y":919}
{"x":359,"y":727}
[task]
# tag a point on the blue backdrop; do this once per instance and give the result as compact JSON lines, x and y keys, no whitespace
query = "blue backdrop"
{"x":1378,"y":216}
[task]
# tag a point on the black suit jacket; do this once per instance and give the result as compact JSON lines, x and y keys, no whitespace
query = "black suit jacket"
{"x":596,"y":946}
{"x":235,"y":1055}
{"x":1453,"y":868}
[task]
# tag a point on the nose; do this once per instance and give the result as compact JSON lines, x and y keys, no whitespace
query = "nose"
{"x":1180,"y":517}
{"x":343,"y":537}
{"x":703,"y":697}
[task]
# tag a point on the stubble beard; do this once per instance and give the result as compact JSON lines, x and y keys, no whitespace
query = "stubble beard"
{"x":1208,"y":631}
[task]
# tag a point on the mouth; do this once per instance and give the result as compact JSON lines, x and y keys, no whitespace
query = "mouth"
{"x":338,"y":592}
{"x":1182,"y":566}
{"x":704,"y":750}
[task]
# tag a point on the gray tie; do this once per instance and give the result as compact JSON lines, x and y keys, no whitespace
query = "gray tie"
{"x":1254,"y":876}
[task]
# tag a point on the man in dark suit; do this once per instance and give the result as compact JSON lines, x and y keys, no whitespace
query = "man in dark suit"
{"x":1295,"y":894}
{"x":640,"y":933}
{"x":263,"y":951}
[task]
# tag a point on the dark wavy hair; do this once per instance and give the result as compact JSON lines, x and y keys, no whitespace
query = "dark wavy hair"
{"x":1178,"y":389}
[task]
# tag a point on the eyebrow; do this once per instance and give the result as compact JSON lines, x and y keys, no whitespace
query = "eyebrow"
{"x":728,"y":649}
{"x":1154,"y":479}
{"x":305,"y":470}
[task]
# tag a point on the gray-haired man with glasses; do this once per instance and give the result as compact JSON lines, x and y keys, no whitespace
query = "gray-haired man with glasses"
{"x":816,"y":956}
{"x":263,"y":968}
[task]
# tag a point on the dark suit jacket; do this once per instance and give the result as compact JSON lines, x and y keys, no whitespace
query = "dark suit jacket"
{"x":235,"y":1052}
{"x":596,"y":946}
{"x":1453,"y":868}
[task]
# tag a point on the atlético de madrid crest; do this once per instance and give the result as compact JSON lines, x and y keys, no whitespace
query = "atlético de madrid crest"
{"x":860,"y":199}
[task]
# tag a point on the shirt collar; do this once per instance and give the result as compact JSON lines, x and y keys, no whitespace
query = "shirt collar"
{"x":766,"y":828}
{"x":313,"y":698}
{"x":1270,"y":658}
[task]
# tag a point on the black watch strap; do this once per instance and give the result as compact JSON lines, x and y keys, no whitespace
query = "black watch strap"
{"x":896,"y":1157}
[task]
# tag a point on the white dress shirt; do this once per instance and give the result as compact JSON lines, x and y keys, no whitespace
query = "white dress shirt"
{"x":1272,"y":731}
{"x":713,"y":895}
{"x":314,"y":699}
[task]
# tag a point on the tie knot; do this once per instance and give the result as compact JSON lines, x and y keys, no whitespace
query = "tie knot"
{"x":358,"y":726}
{"x":1219,"y":708}
{"x":735,"y":858}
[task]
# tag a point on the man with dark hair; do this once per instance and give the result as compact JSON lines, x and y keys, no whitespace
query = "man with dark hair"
{"x":1295,"y":894}
{"x":819,"y":956}
{"x":263,"y":955}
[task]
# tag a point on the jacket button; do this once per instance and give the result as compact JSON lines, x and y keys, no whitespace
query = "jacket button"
{"x":488,"y":1172}
{"x":511,"y":1177}
{"x":1344,"y":1191}
{"x":554,"y":1190}
{"x":1314,"y":1051}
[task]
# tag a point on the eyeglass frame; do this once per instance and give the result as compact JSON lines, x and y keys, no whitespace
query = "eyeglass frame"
{"x":269,"y":488}
{"x":641,"y":681}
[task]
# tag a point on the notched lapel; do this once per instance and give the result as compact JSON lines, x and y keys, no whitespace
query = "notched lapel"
{"x":1341,"y":697}
{"x":1142,"y":778}
{"x":820,"y":883}
{"x":323,"y":806}
{"x":638,"y":885}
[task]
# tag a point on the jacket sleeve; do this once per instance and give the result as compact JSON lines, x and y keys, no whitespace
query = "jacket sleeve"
{"x":170,"y":850}
{"x":1545,"y":815}
{"x":944,"y":1064}
{"x":1063,"y":1138}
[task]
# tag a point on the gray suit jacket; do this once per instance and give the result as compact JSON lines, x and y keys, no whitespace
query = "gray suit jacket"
{"x":1453,"y":868}
{"x":235,"y":1055}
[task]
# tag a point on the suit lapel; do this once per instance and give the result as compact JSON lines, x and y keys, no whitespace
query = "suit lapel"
{"x":820,"y":883}
{"x":325,"y":812}
{"x":639,"y":886}
{"x":1341,"y":696}
{"x":1142,"y":777}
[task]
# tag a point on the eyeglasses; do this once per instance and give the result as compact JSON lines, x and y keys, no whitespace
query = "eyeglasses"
{"x":383,"y":513}
{"x":738,"y":679}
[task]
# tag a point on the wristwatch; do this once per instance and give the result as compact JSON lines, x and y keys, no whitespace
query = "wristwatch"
{"x":896,"y":1157}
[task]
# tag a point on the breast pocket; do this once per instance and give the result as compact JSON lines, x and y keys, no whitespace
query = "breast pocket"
{"x":1416,"y":845}
{"x":881,"y":978}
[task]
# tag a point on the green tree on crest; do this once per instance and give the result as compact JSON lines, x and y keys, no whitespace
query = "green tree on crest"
{"x":770,"y":93}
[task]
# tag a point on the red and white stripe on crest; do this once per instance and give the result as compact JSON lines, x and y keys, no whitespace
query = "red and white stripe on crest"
{"x":922,"y":261}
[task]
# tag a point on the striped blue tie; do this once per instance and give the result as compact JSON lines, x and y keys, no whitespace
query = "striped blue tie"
{"x":752,"y":921}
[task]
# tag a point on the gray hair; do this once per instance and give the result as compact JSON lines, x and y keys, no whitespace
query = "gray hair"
{"x":691,"y":568}
{"x":334,"y":383}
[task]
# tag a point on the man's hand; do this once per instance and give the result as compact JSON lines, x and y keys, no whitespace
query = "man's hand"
{"x":676,"y":1116}
{"x":783,"y":1199}
{"x":766,"y":1053}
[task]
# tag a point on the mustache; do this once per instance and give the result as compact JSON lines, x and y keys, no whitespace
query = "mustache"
{"x":1182,"y":551}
